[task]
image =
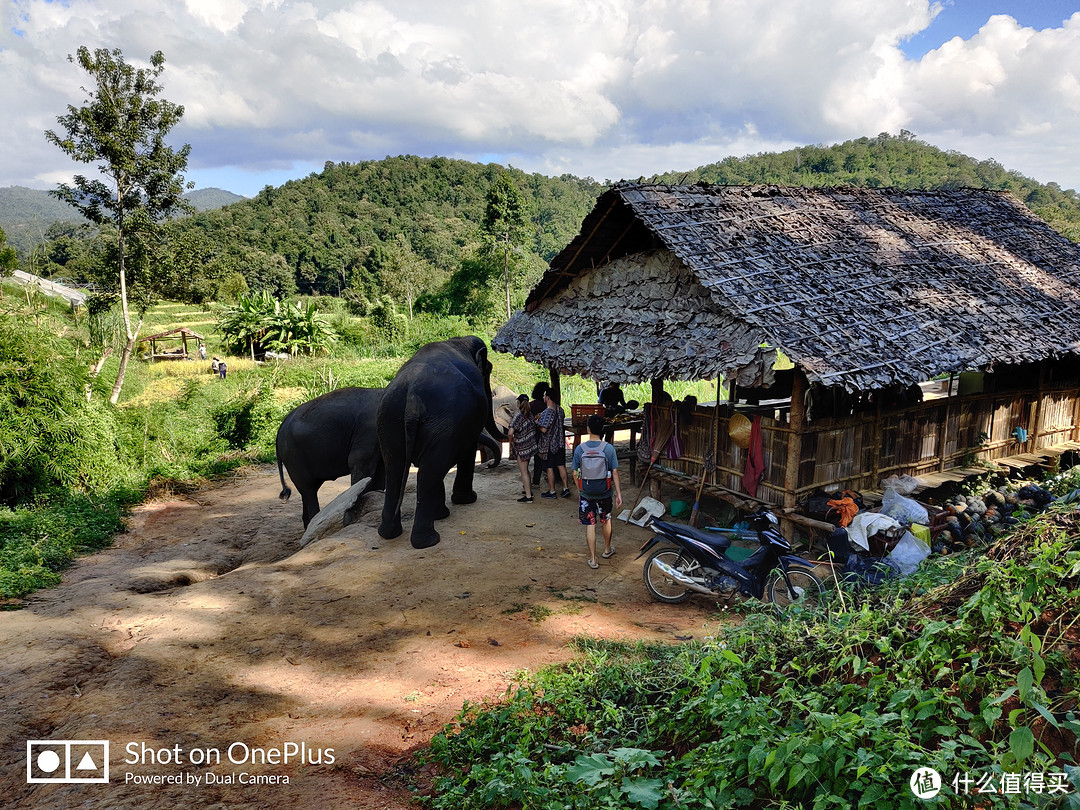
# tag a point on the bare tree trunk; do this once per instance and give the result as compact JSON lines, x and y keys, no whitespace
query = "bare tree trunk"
{"x":129,"y":344}
{"x":97,"y":370}
{"x":506,"y":270}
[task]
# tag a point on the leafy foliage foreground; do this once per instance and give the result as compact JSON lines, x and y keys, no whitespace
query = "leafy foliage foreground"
{"x":967,"y":667}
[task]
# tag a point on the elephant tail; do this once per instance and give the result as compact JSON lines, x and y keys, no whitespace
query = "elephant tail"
{"x":285,"y":491}
{"x":410,"y":428}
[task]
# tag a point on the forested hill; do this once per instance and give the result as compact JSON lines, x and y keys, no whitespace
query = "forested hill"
{"x":888,"y":161}
{"x":327,"y":225}
{"x":408,"y":230}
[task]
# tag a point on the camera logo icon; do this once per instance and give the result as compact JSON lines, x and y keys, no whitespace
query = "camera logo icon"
{"x":67,"y":761}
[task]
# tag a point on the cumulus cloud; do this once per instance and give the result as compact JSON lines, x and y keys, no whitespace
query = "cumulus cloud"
{"x":605,"y":88}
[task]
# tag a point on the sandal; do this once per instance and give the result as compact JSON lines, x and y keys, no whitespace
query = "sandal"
{"x":593,"y":564}
{"x":609,"y":554}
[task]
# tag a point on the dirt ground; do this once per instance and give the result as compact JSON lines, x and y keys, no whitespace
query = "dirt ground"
{"x":206,"y":624}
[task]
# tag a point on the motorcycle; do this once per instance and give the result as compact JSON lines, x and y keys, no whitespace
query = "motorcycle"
{"x":699,"y":563}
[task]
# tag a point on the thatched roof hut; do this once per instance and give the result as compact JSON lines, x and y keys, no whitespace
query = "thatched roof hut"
{"x":180,"y":352}
{"x":861,"y":288}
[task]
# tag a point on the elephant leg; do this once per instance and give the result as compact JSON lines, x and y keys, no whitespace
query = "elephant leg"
{"x":463,"y":482}
{"x":430,"y":505}
{"x":390,"y":527}
{"x":310,"y":498}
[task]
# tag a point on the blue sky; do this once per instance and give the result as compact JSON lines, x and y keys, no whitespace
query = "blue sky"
{"x":964,"y":18}
{"x":608,"y":89}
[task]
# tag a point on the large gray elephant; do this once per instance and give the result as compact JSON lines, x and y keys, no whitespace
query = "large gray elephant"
{"x":334,"y":435}
{"x":432,"y":415}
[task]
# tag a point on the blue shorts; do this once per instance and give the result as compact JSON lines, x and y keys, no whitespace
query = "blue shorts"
{"x":590,"y":512}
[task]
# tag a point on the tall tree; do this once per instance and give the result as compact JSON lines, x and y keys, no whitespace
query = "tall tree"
{"x":8,"y":259}
{"x":122,"y":127}
{"x":506,"y":222}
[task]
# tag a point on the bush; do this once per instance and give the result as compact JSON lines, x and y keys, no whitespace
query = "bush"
{"x":36,"y":544}
{"x":963,"y":667}
{"x":51,"y":438}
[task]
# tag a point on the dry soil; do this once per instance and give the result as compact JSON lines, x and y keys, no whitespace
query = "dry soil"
{"x":205,"y":624}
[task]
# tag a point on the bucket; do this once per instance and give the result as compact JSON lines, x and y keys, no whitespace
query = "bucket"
{"x":679,"y":508}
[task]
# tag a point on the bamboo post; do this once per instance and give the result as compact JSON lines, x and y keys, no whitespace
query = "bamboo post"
{"x":708,"y":462}
{"x":556,"y":383}
{"x":943,"y":428}
{"x":1036,"y":417}
{"x":796,"y":421}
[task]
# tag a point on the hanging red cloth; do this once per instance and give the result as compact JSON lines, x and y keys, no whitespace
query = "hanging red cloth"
{"x":755,"y":459}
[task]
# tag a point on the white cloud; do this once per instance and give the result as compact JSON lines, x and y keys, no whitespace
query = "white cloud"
{"x":607,"y":88}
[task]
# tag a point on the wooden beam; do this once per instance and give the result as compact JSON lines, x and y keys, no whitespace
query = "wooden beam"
{"x":943,"y":428}
{"x":556,"y":383}
{"x":796,"y":421}
{"x":1036,"y":416}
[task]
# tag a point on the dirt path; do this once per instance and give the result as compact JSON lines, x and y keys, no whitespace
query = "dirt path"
{"x":206,"y":625}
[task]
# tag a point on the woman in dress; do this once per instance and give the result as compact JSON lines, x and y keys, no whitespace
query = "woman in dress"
{"x":522,"y":436}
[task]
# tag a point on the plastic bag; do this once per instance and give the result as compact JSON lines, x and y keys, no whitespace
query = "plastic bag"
{"x":903,"y":509}
{"x":908,"y":553}
{"x":903,"y":484}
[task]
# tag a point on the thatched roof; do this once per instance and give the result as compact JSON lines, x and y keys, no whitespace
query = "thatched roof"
{"x":859,"y":287}
{"x":180,"y":332}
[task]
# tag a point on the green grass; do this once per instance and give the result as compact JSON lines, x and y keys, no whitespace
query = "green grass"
{"x":965,"y":667}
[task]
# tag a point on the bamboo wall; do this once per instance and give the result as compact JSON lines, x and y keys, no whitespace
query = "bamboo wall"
{"x":856,"y":452}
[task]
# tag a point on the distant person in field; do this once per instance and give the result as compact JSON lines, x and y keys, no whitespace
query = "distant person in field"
{"x":202,"y":351}
{"x":222,"y":368}
{"x":214,"y":366}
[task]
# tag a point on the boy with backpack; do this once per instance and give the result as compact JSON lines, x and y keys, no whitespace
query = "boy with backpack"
{"x":596,"y":474}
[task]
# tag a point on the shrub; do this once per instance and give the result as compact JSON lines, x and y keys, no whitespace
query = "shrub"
{"x":51,"y":438}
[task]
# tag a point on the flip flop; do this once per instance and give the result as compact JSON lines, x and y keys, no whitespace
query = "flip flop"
{"x":608,"y":554}
{"x":593,"y":564}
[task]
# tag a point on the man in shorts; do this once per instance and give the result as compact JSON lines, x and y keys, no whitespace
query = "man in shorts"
{"x":595,"y":506}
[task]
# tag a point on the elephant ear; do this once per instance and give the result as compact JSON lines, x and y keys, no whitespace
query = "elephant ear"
{"x":480,"y":357}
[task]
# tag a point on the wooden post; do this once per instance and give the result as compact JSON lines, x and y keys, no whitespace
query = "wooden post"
{"x":796,"y":422}
{"x":875,"y":462}
{"x":943,"y":428}
{"x":1036,"y":416}
{"x":556,"y":384}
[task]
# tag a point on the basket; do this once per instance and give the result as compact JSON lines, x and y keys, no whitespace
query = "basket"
{"x":579,"y":414}
{"x":739,"y":430}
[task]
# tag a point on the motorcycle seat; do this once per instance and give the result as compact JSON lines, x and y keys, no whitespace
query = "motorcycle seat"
{"x":718,"y":541}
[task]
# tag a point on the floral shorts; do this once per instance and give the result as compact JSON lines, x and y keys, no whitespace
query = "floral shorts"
{"x":591,"y":512}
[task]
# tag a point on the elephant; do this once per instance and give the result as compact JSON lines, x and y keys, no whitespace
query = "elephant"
{"x":431,"y":415}
{"x":335,"y":434}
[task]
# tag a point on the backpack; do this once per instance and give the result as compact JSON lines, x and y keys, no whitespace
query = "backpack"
{"x":595,"y":475}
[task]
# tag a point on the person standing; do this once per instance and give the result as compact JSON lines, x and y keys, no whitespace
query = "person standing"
{"x":202,"y":351}
{"x":596,"y":474}
{"x":553,"y":444}
{"x":522,"y":436}
{"x":222,"y":368}
{"x":537,"y":407}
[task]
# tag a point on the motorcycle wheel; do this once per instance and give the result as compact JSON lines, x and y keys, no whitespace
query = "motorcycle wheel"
{"x":661,"y":587}
{"x":805,"y":588}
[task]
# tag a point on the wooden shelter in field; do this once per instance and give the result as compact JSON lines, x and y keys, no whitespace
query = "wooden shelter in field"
{"x":924,"y":327}
{"x":183,"y":334}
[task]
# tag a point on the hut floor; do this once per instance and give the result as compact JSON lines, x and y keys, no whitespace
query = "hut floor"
{"x":1020,"y":461}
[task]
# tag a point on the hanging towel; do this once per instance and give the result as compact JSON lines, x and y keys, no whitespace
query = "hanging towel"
{"x":755,"y":459}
